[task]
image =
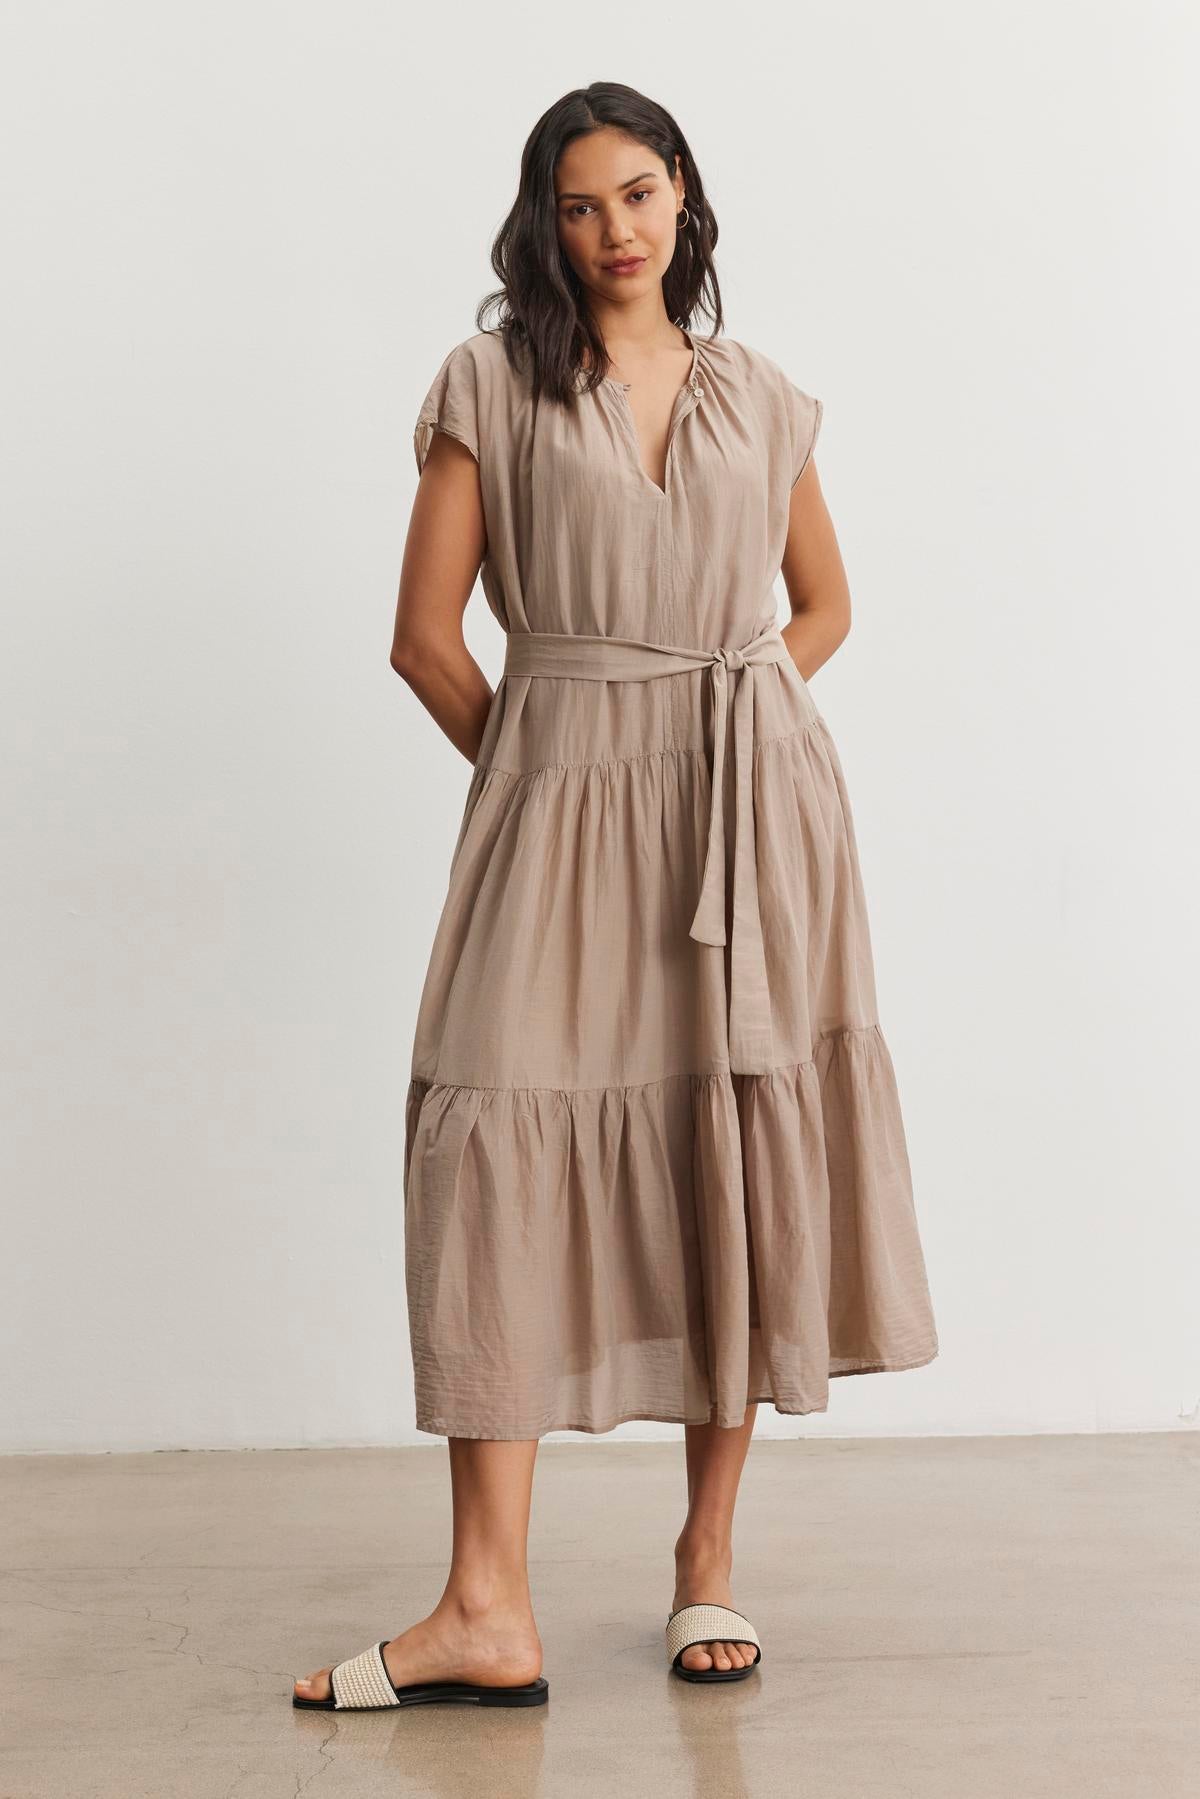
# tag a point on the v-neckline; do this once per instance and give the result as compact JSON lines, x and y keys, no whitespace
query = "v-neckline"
{"x":690,"y":385}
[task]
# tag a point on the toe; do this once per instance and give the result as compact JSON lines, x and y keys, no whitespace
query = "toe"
{"x":315,"y":1686}
{"x":703,"y":1656}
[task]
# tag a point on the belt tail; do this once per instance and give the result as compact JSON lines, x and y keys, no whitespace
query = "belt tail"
{"x":751,"y":1028}
{"x":708,"y":922}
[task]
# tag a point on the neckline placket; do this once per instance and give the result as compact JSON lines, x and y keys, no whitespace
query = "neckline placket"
{"x":686,"y":400}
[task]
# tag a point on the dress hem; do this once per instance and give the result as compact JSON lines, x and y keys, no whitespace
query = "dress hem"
{"x":888,"y":1366}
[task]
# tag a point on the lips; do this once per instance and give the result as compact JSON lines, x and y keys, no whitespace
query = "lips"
{"x":626,"y":265}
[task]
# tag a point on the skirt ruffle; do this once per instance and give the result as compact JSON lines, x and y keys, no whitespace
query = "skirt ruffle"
{"x":670,"y":1250}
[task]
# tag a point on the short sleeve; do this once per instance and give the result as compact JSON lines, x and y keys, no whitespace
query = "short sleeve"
{"x":805,"y":414}
{"x":451,"y":405}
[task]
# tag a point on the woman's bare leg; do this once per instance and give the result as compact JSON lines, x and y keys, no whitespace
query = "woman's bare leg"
{"x":704,"y":1548}
{"x":482,"y":1628}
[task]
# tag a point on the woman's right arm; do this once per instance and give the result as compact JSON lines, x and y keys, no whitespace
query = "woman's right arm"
{"x":445,"y":545}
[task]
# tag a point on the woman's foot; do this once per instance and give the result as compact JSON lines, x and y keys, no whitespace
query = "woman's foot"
{"x":492,"y":1645}
{"x":702,"y":1577}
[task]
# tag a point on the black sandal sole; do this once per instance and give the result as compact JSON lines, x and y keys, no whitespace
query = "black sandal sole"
{"x":432,"y":1692}
{"x":713,"y":1673}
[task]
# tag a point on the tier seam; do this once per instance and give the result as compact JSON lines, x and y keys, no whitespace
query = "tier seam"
{"x":526,"y":774}
{"x":661,"y":1080}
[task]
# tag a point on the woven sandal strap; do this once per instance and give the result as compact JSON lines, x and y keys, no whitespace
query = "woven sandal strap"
{"x":362,"y":1680}
{"x":706,"y":1605}
{"x":693,"y":1624}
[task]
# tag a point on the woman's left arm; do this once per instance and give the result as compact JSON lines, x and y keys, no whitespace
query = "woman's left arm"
{"x":815,"y":578}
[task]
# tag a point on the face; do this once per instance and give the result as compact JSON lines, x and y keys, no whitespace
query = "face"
{"x":616,"y":201}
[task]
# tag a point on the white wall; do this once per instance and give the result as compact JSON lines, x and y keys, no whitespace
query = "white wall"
{"x":239,"y":242}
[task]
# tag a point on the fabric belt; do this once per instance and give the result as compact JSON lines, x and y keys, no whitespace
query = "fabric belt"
{"x":585,"y":658}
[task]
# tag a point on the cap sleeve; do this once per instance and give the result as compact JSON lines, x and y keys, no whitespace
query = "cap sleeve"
{"x":805,"y":414}
{"x":451,"y":405}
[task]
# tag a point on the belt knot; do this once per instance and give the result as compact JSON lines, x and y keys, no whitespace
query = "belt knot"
{"x":729,"y":656}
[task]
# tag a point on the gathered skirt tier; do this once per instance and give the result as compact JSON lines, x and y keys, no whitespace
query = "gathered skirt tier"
{"x":604,"y":1221}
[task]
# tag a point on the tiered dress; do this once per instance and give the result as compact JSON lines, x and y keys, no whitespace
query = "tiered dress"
{"x":650,"y":1171}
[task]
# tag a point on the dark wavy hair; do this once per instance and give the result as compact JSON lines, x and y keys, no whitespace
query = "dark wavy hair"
{"x":541,"y":316}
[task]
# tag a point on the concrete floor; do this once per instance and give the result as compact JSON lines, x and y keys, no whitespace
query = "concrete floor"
{"x":963,"y":1617}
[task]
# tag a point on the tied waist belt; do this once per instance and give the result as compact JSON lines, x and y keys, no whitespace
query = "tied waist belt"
{"x":628,"y":659}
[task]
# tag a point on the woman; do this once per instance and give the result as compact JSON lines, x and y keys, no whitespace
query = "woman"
{"x":654,"y":1163}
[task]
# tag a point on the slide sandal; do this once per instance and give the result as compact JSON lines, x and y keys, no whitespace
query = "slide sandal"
{"x":701,"y":1623}
{"x":362,"y":1683}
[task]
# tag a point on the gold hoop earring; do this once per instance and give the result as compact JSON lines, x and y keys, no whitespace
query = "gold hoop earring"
{"x":685,"y":219}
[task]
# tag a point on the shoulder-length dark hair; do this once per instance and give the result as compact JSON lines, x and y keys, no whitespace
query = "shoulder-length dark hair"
{"x":544,"y":325}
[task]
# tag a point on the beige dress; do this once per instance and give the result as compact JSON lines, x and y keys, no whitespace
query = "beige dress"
{"x":654,"y":1160}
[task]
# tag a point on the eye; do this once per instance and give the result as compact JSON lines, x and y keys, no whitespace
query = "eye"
{"x":581,"y":207}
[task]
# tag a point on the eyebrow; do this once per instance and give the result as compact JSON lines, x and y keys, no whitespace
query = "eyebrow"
{"x":646,"y":175}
